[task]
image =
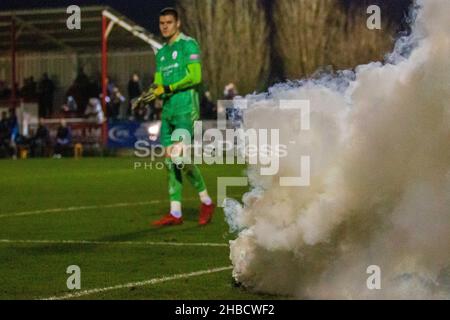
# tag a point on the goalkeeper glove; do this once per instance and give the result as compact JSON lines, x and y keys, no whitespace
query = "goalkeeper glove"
{"x":159,"y":90}
{"x":155,"y":92}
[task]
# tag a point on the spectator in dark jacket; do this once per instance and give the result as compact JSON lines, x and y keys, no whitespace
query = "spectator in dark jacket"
{"x":117,"y":100}
{"x":46,"y":93}
{"x":5,"y":136}
{"x":4,"y":124}
{"x":80,"y":90}
{"x":134,"y":90}
{"x":5,"y":92}
{"x":134,"y":87}
{"x":29,"y":89}
{"x":12,"y":119}
{"x":40,"y":141}
{"x":207,"y":108}
{"x":63,"y":140}
{"x":9,"y":131}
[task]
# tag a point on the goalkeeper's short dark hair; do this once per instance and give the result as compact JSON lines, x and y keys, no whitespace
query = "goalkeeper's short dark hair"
{"x":169,"y":11}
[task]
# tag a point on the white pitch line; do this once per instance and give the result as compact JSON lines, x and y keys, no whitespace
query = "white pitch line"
{"x":112,"y":243}
{"x":82,"y":208}
{"x":138,"y":284}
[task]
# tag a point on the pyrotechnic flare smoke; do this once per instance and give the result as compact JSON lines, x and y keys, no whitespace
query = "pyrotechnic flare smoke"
{"x":380,"y":179}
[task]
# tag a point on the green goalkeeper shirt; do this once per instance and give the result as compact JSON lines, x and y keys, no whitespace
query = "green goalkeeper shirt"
{"x":178,"y":65}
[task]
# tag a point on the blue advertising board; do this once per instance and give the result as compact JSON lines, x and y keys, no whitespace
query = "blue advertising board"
{"x":124,"y":134}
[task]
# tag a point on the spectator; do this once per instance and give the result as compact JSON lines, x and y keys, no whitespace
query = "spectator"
{"x":134,"y":89}
{"x":70,"y":106}
{"x":117,"y":100}
{"x":9,"y":132}
{"x":5,"y":92}
{"x":14,"y":131}
{"x":141,"y":113}
{"x":63,"y":140}
{"x":109,"y":86}
{"x":4,"y":123}
{"x":29,"y":89}
{"x":12,"y":120}
{"x":208,"y":109}
{"x":94,"y":111}
{"x":5,"y":136}
{"x":95,"y":89}
{"x":81,"y":88}
{"x":40,"y":142}
{"x":74,"y":93}
{"x":230,"y":91}
{"x":82,"y":79}
{"x":233,"y":114}
{"x":109,"y":91}
{"x":46,"y":93}
{"x":155,"y":110}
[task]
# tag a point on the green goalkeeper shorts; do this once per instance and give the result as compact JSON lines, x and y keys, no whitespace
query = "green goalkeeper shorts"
{"x":171,"y":123}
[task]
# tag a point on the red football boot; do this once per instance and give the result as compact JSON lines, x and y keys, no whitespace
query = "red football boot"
{"x":168,"y":220}
{"x":206,"y":214}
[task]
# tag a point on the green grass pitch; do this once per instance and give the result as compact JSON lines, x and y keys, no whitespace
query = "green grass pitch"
{"x":105,"y":207}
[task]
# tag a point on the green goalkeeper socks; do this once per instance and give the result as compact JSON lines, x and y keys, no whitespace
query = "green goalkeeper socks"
{"x":193,"y":174}
{"x":195,"y":177}
{"x":175,"y":180}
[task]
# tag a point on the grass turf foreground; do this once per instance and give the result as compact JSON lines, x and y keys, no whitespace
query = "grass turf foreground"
{"x":96,"y":214}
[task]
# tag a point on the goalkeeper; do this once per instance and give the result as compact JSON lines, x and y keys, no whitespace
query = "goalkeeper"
{"x":177,"y":77}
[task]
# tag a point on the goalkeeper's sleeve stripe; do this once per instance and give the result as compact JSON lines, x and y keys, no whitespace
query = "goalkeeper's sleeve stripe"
{"x":193,"y":78}
{"x":158,"y":78}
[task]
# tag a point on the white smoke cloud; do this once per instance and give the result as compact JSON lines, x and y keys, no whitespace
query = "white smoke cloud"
{"x":380,"y":179}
